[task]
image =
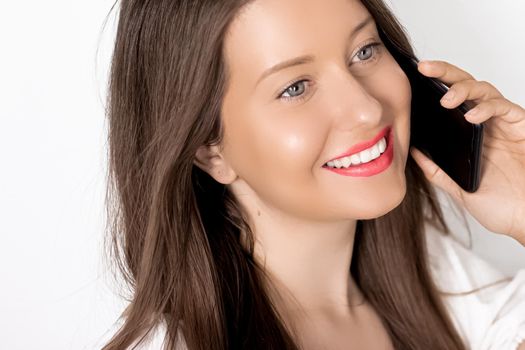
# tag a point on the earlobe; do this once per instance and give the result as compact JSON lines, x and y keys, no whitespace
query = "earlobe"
{"x":210,"y":160}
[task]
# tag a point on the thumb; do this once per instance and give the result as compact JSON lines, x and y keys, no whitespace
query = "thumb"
{"x":436,"y":175}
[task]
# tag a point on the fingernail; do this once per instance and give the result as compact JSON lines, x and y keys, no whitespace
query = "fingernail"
{"x":449,"y":96}
{"x":472,"y":112}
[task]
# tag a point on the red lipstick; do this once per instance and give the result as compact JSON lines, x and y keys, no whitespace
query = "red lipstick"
{"x":363,"y":145}
{"x":373,"y":167}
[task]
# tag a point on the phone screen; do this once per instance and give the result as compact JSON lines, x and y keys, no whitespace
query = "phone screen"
{"x":443,"y":134}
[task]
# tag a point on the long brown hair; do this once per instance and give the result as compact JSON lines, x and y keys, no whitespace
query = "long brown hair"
{"x":174,"y":232}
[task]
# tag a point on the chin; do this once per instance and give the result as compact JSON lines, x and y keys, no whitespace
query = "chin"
{"x":385,"y":204}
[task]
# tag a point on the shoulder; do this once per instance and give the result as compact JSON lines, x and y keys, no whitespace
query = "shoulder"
{"x":487,"y":307}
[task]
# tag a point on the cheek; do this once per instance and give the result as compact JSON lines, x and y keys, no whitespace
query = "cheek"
{"x":402,"y":95}
{"x":402,"y":105}
{"x":275,"y":154}
{"x":393,"y":89}
{"x":278,"y":143}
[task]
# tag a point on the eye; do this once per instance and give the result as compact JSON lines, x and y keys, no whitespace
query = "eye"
{"x":367,"y":54}
{"x":294,"y":90}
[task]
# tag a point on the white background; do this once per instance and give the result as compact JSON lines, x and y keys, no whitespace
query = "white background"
{"x":54,"y":291}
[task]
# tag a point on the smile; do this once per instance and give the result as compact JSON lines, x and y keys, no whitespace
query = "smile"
{"x":369,"y":161}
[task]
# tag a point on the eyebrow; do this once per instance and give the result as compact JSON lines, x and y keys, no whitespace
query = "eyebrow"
{"x":309,"y":58}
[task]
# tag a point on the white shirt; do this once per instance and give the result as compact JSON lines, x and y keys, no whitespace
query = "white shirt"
{"x":492,"y":318}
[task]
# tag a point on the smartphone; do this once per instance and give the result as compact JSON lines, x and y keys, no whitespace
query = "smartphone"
{"x":442,"y":134}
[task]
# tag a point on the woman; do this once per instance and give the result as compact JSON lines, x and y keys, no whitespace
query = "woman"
{"x":231,"y":225}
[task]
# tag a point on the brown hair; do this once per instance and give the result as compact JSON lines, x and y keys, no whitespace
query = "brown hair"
{"x":174,"y":231}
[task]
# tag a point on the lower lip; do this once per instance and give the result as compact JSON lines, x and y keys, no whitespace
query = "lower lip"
{"x":374,"y":167}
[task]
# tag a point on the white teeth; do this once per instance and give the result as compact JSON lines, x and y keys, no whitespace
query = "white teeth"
{"x":364,"y":156}
{"x":382,"y":145}
{"x":375,"y":151}
{"x":355,"y":159}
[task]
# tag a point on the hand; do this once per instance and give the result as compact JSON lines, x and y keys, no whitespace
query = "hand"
{"x":499,"y":203}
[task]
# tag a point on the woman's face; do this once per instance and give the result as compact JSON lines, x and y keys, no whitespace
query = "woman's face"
{"x":281,"y":126}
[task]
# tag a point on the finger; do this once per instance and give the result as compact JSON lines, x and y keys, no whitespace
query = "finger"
{"x":469,"y":90}
{"x":436,"y":175}
{"x":444,"y":71}
{"x":496,"y":107}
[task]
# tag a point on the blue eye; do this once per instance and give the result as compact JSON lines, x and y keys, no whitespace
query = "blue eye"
{"x":367,"y":49}
{"x":296,"y":90}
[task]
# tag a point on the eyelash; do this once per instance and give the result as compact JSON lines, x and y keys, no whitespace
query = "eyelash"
{"x":376,"y":46}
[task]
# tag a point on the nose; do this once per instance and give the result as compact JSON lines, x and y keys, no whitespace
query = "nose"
{"x":352,"y":102}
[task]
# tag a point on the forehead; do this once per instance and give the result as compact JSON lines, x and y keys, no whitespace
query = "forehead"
{"x":266,"y":32}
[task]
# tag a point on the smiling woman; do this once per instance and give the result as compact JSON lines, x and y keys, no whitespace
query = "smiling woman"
{"x":265,"y":194}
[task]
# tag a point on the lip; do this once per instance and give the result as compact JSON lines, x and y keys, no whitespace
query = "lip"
{"x":373,"y":167}
{"x":363,"y":145}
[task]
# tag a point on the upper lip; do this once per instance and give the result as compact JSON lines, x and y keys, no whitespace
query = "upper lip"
{"x":363,"y":145}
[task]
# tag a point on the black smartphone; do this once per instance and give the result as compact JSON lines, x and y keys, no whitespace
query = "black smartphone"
{"x":442,"y":134}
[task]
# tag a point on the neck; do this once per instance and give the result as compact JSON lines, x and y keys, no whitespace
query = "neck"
{"x":308,"y":265}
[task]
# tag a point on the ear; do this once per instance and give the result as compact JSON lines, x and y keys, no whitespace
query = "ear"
{"x":210,"y":160}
